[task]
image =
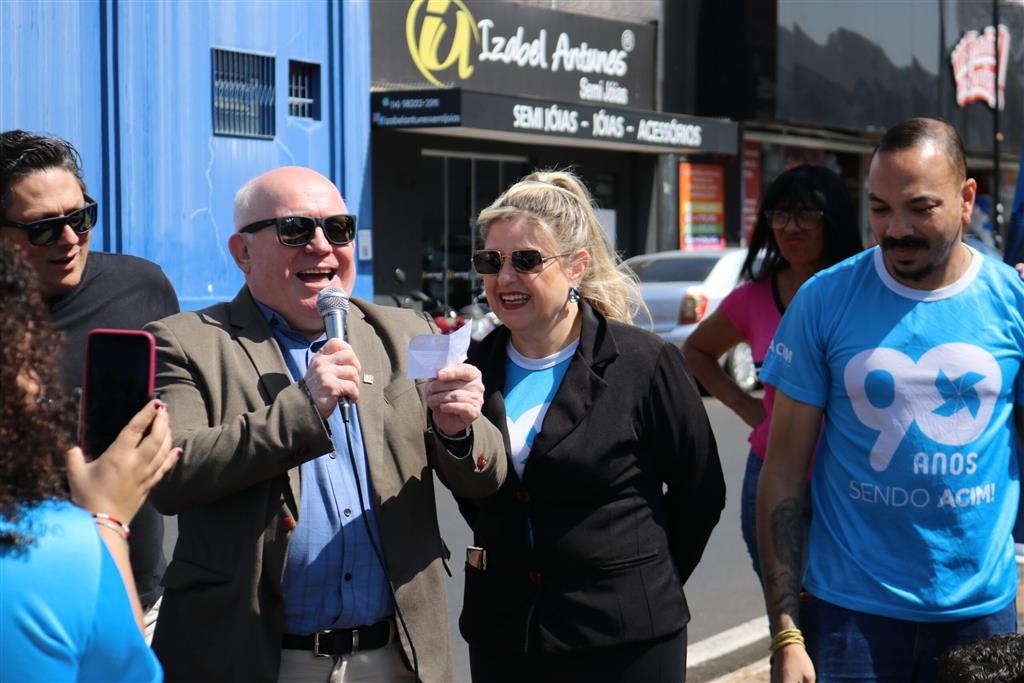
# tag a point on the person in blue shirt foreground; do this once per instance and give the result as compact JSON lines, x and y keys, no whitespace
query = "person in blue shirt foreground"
{"x":913,"y":352}
{"x":69,"y":610}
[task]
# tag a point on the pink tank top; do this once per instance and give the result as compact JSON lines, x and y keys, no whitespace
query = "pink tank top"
{"x":752,"y":310}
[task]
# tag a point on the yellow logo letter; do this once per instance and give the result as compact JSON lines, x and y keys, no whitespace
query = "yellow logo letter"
{"x":423,"y":48}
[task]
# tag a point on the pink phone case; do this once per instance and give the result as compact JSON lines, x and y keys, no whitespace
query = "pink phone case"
{"x":117,"y":382}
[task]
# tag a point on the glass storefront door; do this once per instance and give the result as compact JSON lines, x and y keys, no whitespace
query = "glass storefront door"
{"x":457,"y":186}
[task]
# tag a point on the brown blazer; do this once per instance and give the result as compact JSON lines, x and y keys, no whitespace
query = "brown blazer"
{"x":245,"y":427}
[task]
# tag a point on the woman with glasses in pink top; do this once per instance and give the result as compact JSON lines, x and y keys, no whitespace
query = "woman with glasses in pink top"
{"x":807,"y":222}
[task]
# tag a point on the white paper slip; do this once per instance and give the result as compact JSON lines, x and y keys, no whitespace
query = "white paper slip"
{"x":428,"y":353}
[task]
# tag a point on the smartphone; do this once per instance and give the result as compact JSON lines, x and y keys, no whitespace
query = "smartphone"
{"x":117,"y":383}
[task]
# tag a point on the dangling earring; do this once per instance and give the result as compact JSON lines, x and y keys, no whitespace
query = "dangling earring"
{"x":574,"y":295}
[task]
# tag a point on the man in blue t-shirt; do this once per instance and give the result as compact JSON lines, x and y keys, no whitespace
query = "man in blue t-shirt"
{"x":913,"y":352}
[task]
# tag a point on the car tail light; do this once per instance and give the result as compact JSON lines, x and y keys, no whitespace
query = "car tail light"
{"x":692,"y":308}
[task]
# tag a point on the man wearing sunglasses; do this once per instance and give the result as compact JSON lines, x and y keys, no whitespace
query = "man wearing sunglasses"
{"x":46,"y":211}
{"x":308,"y":544}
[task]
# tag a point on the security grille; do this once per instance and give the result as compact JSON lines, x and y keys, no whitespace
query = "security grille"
{"x":243,"y":94}
{"x":304,"y":90}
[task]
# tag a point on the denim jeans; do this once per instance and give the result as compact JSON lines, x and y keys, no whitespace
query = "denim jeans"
{"x":748,"y":509}
{"x":854,"y":646}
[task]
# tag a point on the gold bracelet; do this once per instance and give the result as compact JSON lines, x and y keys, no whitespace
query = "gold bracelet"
{"x":783,"y":643}
{"x":787,"y":636}
{"x":110,"y":525}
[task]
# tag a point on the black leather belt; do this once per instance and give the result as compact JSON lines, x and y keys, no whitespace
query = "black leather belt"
{"x":343,"y":641}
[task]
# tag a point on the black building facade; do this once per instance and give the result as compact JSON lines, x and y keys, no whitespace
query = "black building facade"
{"x":819,"y":81}
{"x":469,"y":98}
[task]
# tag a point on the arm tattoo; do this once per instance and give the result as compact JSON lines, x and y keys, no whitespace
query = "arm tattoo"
{"x":787,"y":526}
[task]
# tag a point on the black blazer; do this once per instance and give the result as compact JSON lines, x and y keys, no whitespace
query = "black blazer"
{"x":620,"y":493}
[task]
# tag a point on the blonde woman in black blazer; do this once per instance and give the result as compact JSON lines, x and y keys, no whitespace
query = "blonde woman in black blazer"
{"x":614,"y":482}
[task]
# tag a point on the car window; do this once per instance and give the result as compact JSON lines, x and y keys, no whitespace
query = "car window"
{"x":694,"y":269}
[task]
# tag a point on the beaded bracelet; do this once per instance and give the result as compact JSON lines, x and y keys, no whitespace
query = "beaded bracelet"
{"x":787,"y":636}
{"x":107,"y":520}
{"x":110,"y":525}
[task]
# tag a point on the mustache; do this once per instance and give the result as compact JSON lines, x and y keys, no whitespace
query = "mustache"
{"x":904,"y":243}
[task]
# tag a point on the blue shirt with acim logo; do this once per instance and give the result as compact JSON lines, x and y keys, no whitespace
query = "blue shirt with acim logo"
{"x":916,"y":484}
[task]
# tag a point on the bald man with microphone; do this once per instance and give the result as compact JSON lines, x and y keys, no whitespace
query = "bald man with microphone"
{"x":308,"y":543}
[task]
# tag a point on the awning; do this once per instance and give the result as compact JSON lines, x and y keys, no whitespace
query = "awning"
{"x":794,"y":135}
{"x":464,"y":113}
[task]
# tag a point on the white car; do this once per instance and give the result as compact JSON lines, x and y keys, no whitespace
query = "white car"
{"x":681,"y":288}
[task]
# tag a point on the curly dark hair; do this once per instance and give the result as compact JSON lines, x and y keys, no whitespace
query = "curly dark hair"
{"x":993,"y":659}
{"x":34,"y":431}
{"x":805,"y":187}
{"x":23,"y":153}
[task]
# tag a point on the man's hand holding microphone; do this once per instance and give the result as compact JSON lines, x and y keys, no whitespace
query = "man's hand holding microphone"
{"x":454,"y":397}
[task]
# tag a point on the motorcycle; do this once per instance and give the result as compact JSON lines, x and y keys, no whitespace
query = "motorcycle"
{"x":480,"y":317}
{"x":446,"y":319}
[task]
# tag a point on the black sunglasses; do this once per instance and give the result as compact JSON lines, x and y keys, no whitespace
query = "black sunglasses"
{"x":43,"y":233}
{"x":488,"y":261}
{"x":804,"y":219}
{"x":297,"y":231}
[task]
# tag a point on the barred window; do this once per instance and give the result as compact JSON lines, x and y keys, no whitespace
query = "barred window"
{"x":243,"y":94}
{"x":304,"y":90}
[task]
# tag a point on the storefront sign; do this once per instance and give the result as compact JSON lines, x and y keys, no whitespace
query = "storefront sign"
{"x":974,"y":67}
{"x":416,"y":109}
{"x":701,"y":206}
{"x":504,"y":47}
{"x":453,"y":107}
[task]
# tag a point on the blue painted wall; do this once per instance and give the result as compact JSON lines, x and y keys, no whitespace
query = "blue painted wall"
{"x":51,"y":61}
{"x":129,"y":83}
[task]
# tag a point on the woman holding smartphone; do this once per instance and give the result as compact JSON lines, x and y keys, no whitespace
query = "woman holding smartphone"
{"x":69,"y":609}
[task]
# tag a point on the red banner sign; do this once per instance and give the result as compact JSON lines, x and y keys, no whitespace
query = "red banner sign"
{"x":974,"y":66}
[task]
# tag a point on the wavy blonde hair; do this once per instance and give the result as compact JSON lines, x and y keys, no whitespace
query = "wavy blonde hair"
{"x":557,"y":202}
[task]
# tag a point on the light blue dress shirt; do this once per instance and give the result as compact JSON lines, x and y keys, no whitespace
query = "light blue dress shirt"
{"x":332,"y":578}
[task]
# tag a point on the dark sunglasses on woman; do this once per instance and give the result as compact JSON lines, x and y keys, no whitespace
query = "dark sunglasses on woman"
{"x":298,"y":231}
{"x":803,"y":219}
{"x":489,"y":261}
{"x":47,"y":231}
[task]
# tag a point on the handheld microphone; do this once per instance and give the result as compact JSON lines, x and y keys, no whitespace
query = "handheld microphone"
{"x":332,"y":305}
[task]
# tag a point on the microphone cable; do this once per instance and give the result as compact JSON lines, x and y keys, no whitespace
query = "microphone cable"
{"x":373,"y":543}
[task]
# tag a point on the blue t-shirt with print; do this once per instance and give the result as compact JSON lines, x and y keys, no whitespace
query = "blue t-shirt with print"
{"x":530,"y":384}
{"x":65,"y":614}
{"x":915,"y":489}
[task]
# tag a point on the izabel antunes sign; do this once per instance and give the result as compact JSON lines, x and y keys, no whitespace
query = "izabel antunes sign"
{"x":505,"y":48}
{"x":592,"y":123}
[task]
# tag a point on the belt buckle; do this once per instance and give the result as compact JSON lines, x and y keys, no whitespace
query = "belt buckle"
{"x":316,"y":644}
